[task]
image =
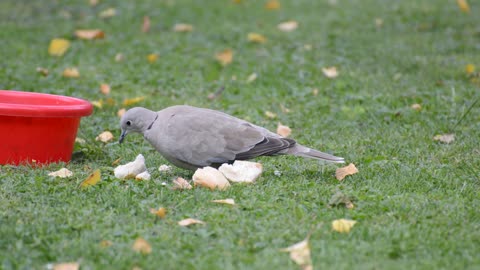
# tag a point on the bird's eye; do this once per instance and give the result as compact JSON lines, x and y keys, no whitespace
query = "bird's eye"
{"x":129,"y":123}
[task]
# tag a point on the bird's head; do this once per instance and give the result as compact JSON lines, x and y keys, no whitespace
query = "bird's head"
{"x":138,"y":120}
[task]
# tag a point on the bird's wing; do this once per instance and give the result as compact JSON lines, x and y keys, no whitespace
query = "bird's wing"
{"x":203,"y":137}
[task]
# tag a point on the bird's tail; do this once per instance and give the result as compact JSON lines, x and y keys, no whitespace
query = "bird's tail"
{"x":303,"y":151}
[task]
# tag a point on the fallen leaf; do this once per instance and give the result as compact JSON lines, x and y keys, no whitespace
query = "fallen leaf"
{"x":160,"y":212}
{"x":105,"y":243}
{"x":283,"y":131}
{"x":256,"y":38}
{"x":105,"y":137}
{"x":378,"y":22}
{"x":182,"y":27}
{"x":71,"y":73}
{"x":141,"y":245}
{"x":288,"y":26}
{"x":66,"y":266}
{"x":416,"y":107}
{"x":270,"y":114}
{"x":121,"y":112}
{"x":189,"y":221}
{"x":341,"y":173}
{"x":42,"y":71}
{"x":272,"y":5}
{"x":131,"y":101}
{"x":469,"y":69}
{"x":339,"y":198}
{"x":152,"y":58}
{"x":180,"y":183}
{"x":315,"y":91}
{"x":330,"y":72}
{"x":242,"y":171}
{"x":97,"y":103}
{"x":62,"y":173}
{"x":58,"y":46}
{"x":92,"y":179}
{"x":463,"y":5}
{"x":252,"y":77}
{"x":131,"y":169}
{"x":119,"y":57}
{"x":224,"y":57}
{"x":116,"y":161}
{"x":300,"y":254}
{"x":444,"y":138}
{"x":343,"y":225}
{"x":143,"y":176}
{"x":105,"y":88}
{"x":89,"y":34}
{"x":146,"y":24}
{"x":107,"y":13}
{"x":284,"y":109}
{"x":210,"y":178}
{"x":226,"y":201}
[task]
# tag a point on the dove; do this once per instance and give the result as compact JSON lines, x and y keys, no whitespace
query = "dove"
{"x":192,"y":138}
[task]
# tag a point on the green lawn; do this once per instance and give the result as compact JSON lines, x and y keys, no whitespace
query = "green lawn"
{"x":417,"y":200}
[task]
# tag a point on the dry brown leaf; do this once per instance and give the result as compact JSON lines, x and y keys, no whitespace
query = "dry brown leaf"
{"x":116,"y":161}
{"x":105,"y":243}
{"x":272,"y":5}
{"x":252,"y":77}
{"x":42,"y":71}
{"x":160,"y":212}
{"x":89,"y":34}
{"x":470,"y":69}
{"x":224,"y":57}
{"x":131,"y":101}
{"x":226,"y":201}
{"x":58,"y":46}
{"x":300,"y":254}
{"x":270,"y":114}
{"x":330,"y":72}
{"x":152,"y":58}
{"x":71,"y":73}
{"x":283,"y":131}
{"x":107,"y":13}
{"x":105,"y":88}
{"x":210,"y":178}
{"x":343,"y":225}
{"x":183,"y":27}
{"x":463,"y":5}
{"x":256,"y":38}
{"x":341,"y":173}
{"x":92,"y":179}
{"x":131,"y":169}
{"x":146,"y":24}
{"x":105,"y":137}
{"x":180,"y":183}
{"x":444,"y":138}
{"x":288,"y":26}
{"x":62,"y":173}
{"x":241,"y":171}
{"x":189,"y":221}
{"x":141,"y":245}
{"x":66,"y":266}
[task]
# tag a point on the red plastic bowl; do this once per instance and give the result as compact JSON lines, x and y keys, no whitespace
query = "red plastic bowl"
{"x":38,"y":128}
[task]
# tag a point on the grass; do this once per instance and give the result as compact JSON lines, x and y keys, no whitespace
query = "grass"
{"x":417,"y":200}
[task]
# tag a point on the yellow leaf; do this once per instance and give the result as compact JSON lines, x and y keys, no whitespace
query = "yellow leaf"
{"x":182,"y":27}
{"x":341,"y":173}
{"x":131,"y":101}
{"x":252,"y":77}
{"x":272,"y":5}
{"x":105,"y":88}
{"x":256,"y":38}
{"x":152,"y":58}
{"x":160,"y":212}
{"x":463,"y":5}
{"x":226,"y":201}
{"x":42,"y":71}
{"x":283,"y":131}
{"x":71,"y":73}
{"x":105,"y":243}
{"x":224,"y":57}
{"x":270,"y":114}
{"x":189,"y":221}
{"x":300,"y":254}
{"x":97,"y":103}
{"x":146,"y":24}
{"x":288,"y":26}
{"x":58,"y":46}
{"x":470,"y":68}
{"x":105,"y":136}
{"x":66,"y":266}
{"x":107,"y":13}
{"x":444,"y":138}
{"x":92,"y":179}
{"x":315,"y":91}
{"x":330,"y":72}
{"x":89,"y":34}
{"x":343,"y":225}
{"x":141,"y":245}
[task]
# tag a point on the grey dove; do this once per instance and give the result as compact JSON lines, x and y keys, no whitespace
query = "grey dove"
{"x":192,"y":138}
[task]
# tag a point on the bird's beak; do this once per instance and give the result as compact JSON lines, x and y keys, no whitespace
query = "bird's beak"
{"x":122,"y":136}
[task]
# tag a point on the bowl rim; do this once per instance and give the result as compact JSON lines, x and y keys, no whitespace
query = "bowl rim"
{"x":67,"y":107}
